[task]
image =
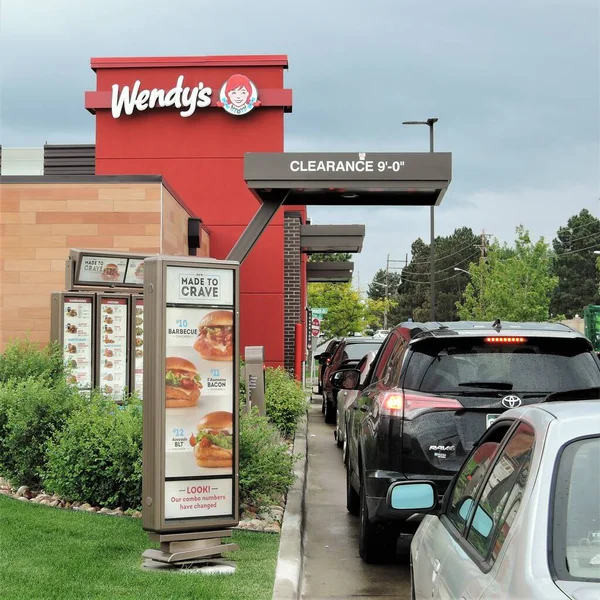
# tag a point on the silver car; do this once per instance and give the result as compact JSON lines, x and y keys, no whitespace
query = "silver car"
{"x":345,"y":398}
{"x":521,"y":519}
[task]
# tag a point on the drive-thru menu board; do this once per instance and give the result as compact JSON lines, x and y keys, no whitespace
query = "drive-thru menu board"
{"x":193,"y":418}
{"x":198,"y":393}
{"x":78,"y":322}
{"x":138,"y":346}
{"x":113,"y":333}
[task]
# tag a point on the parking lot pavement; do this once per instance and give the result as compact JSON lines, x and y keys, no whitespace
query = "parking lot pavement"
{"x":332,"y":566}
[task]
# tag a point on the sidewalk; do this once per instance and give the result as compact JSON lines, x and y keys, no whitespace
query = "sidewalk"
{"x":332,"y":566}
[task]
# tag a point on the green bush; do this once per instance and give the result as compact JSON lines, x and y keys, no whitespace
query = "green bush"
{"x":284,"y":399}
{"x":31,"y":412}
{"x":266,"y":466}
{"x":24,"y":359}
{"x":97,"y":457}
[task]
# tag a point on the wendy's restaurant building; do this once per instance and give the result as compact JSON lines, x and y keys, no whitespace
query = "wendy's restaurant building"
{"x":165,"y":176}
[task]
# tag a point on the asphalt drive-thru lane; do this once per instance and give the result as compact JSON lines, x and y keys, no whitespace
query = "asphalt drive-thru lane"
{"x":332,"y":565}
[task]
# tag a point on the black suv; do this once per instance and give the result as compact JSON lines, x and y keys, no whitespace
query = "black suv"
{"x":348,"y":353}
{"x":431,"y":392}
{"x":324,"y":360}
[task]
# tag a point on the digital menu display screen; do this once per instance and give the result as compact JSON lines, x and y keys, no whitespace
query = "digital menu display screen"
{"x":138,"y":326}
{"x":199,"y":393}
{"x":110,"y":271}
{"x":78,"y":314}
{"x":113,"y":334}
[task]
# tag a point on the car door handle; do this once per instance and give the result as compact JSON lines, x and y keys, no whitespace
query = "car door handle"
{"x":436,"y":566}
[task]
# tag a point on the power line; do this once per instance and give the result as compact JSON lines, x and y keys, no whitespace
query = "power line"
{"x":460,"y":262}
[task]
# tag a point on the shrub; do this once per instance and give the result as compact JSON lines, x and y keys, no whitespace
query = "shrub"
{"x":266,"y":466}
{"x":24,"y":359}
{"x":97,"y":457}
{"x":31,"y":412}
{"x":284,"y":400}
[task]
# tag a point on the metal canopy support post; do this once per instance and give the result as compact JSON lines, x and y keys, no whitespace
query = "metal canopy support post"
{"x":259,"y":223}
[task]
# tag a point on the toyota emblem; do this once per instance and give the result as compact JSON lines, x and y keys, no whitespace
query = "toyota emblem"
{"x":511,"y":401}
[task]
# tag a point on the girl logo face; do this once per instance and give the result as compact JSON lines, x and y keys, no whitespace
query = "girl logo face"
{"x":238,"y":95}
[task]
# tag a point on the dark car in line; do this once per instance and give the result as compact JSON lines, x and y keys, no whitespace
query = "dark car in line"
{"x":432,"y":391}
{"x":347,"y":354}
{"x":324,"y":360}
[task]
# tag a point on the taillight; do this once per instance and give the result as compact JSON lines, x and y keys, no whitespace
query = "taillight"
{"x":328,"y":361}
{"x":501,"y":339}
{"x":412,"y":404}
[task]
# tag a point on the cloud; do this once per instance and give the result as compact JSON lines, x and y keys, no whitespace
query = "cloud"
{"x":392,"y":230}
{"x":515,"y":85}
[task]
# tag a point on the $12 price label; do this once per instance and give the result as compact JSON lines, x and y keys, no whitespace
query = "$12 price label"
{"x":179,"y":441}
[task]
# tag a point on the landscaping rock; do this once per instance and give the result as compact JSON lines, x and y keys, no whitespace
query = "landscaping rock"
{"x":93,"y":509}
{"x":68,"y":505}
{"x":23,"y":498}
{"x":84,"y":507}
{"x":24,"y":492}
{"x":76,"y":505}
{"x":105,"y":511}
{"x":272,"y":528}
{"x":45,"y":501}
{"x":118,"y":512}
{"x":54,"y":503}
{"x":136,"y":514}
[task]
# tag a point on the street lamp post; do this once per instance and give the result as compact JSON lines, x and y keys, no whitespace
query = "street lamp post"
{"x":430,"y":123}
{"x":462,"y":270}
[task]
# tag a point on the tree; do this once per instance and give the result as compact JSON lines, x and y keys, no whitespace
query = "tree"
{"x":414,"y":293}
{"x":510,"y":284}
{"x":376,"y":294}
{"x":575,"y":265}
{"x":346,"y":312}
{"x":330,"y":257}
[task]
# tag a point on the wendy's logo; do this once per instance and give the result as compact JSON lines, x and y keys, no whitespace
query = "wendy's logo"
{"x":238,"y":95}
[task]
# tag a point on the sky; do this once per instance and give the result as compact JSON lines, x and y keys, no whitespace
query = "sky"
{"x":515,"y":86}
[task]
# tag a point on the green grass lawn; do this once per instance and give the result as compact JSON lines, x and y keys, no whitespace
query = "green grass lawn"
{"x":52,"y":554}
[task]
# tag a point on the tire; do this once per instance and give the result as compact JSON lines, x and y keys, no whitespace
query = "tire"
{"x":352,"y":498}
{"x":329,"y":413}
{"x":377,"y":544}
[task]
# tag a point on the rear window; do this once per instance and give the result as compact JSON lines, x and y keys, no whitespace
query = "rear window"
{"x":539,"y":365}
{"x":357,"y":351}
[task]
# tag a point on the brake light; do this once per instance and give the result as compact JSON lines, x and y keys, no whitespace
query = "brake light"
{"x":498,"y":339}
{"x":412,"y":404}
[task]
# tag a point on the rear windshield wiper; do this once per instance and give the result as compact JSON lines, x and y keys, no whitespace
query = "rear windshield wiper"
{"x":490,"y":385}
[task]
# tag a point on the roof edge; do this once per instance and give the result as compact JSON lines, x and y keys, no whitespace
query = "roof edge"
{"x":145,"y":62}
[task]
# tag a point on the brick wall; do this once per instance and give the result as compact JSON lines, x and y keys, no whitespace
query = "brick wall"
{"x":292,"y":285}
{"x":41,"y":222}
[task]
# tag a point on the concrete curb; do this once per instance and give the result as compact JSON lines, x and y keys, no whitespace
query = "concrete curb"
{"x":290,"y":559}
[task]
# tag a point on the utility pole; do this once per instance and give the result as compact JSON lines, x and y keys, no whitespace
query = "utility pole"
{"x":430,"y":122}
{"x":387,"y":284}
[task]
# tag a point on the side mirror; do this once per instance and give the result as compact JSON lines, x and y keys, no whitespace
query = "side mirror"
{"x":413,"y":496}
{"x":482,"y":522}
{"x":346,"y":379}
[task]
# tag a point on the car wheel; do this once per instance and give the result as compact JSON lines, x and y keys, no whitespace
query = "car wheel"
{"x":376,"y":544}
{"x":329,"y":412}
{"x":352,"y":498}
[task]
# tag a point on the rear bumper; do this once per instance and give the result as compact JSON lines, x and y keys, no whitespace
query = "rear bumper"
{"x":377,"y":485}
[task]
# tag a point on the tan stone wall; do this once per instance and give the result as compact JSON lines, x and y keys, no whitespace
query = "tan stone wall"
{"x":40,"y":222}
{"x":175,"y":228}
